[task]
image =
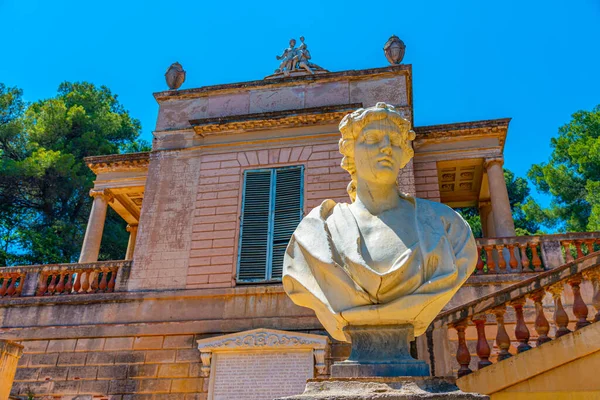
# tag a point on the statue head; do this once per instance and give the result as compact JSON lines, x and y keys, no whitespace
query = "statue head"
{"x":376,"y":145}
{"x":292,"y":43}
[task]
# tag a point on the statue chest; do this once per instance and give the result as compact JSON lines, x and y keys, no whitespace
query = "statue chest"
{"x":384,"y":239}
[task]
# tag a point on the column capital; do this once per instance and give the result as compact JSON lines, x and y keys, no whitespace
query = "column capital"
{"x":485,"y":203}
{"x":131,"y":227}
{"x":105,"y":193}
{"x":491,"y":161}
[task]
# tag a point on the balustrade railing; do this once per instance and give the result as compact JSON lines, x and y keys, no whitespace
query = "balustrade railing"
{"x":533,"y":253}
{"x":493,"y":307}
{"x":61,"y":279}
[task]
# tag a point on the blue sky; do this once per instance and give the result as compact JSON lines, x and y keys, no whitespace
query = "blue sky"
{"x":534,"y":61}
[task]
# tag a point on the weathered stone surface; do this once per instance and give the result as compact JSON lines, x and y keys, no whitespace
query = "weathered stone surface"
{"x":405,"y":388}
{"x":380,"y":351}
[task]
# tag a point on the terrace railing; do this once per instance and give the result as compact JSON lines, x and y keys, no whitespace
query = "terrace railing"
{"x":533,"y":253}
{"x":492,"y":309}
{"x":61,"y":279}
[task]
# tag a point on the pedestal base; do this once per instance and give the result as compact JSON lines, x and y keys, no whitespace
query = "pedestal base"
{"x":401,"y":388}
{"x":382,"y":350}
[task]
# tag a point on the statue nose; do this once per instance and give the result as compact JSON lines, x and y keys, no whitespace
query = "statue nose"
{"x":386,"y":145}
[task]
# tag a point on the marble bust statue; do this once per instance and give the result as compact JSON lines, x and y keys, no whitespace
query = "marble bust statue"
{"x":387,"y":263}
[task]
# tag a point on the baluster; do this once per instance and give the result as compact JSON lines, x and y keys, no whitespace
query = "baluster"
{"x":77,"y":284}
{"x":566,"y":244}
{"x":12,"y":288}
{"x":524,"y":258}
{"x":489,"y":257}
{"x":462,"y":352}
{"x":512,"y":262}
{"x":590,"y":245}
{"x":103,"y":282}
{"x":535,"y":259}
{"x":483,"y":347}
{"x":52,"y":285}
{"x":578,"y":248}
{"x":42,"y":284}
{"x":4,"y":284}
{"x":94,"y":281}
{"x":113,"y":279}
{"x":501,"y":260}
{"x":85,"y":280}
{"x":542,"y":327}
{"x":580,"y":309}
{"x":69,"y":284}
{"x":61,"y":283}
{"x":561,"y":319}
{"x":21,"y":282}
{"x":480,"y":264}
{"x":594,"y":277}
{"x":521,"y":331}
{"x":502,"y":338}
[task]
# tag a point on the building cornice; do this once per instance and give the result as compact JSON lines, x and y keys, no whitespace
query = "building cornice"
{"x":275,"y":119}
{"x":118,"y":162}
{"x":491,"y":127}
{"x":402,"y":69}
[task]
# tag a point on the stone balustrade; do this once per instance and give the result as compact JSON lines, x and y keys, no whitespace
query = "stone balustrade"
{"x":532,"y":253}
{"x":61,"y":279}
{"x":491,"y":309}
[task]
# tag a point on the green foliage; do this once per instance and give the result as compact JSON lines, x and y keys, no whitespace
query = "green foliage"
{"x":44,"y":182}
{"x":521,"y":204}
{"x":572,"y":175}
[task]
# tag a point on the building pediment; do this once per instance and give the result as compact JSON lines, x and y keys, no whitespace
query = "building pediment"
{"x":262,"y":339}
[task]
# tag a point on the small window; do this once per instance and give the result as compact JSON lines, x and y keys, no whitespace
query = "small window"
{"x":272,"y":208}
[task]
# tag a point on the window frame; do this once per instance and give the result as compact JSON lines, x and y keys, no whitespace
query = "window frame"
{"x":271,"y":226}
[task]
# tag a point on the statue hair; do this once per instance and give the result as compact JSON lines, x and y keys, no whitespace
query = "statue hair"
{"x":351,"y":126}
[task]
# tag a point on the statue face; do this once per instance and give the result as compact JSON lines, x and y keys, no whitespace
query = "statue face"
{"x":378,"y":154}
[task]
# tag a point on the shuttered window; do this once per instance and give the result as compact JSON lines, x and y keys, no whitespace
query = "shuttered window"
{"x":271,"y":210}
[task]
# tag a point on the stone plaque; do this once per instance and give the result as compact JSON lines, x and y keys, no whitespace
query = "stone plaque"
{"x":260,"y":375}
{"x":261,"y":364}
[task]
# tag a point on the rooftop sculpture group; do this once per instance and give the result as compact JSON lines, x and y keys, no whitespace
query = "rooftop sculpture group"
{"x":294,"y":59}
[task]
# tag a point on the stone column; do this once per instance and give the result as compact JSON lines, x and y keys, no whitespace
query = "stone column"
{"x":487,"y":219}
{"x":132,"y":229}
{"x":95,"y":227}
{"x":10,"y":353}
{"x":503,"y":220}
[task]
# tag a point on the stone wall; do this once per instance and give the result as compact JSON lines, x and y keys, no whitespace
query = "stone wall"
{"x":426,"y":180}
{"x":151,"y":367}
{"x":164,"y":234}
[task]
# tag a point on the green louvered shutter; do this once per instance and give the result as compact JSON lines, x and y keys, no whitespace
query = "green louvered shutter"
{"x":254,"y":231}
{"x":287,"y":213}
{"x":271,"y":211}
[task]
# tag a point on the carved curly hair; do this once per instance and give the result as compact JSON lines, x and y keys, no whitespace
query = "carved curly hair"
{"x":351,"y":126}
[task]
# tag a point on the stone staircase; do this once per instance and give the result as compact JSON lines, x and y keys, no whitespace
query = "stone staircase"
{"x":554,"y":360}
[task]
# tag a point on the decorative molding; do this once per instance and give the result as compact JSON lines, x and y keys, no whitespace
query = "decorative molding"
{"x":491,"y":127}
{"x":261,"y":340}
{"x":274,"y":119}
{"x":118,"y":162}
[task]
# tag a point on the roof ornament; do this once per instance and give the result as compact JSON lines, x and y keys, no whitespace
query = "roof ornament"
{"x":394,"y":50}
{"x":175,"y":76}
{"x":295,"y":61}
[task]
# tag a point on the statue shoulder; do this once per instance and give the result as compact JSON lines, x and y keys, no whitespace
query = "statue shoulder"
{"x":323,"y":211}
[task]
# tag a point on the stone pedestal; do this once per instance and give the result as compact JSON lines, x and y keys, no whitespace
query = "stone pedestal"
{"x":405,"y":388}
{"x":382,"y":350}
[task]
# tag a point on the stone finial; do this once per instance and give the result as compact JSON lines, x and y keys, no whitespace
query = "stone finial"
{"x":296,"y":61}
{"x":175,"y":76}
{"x":394,"y":50}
